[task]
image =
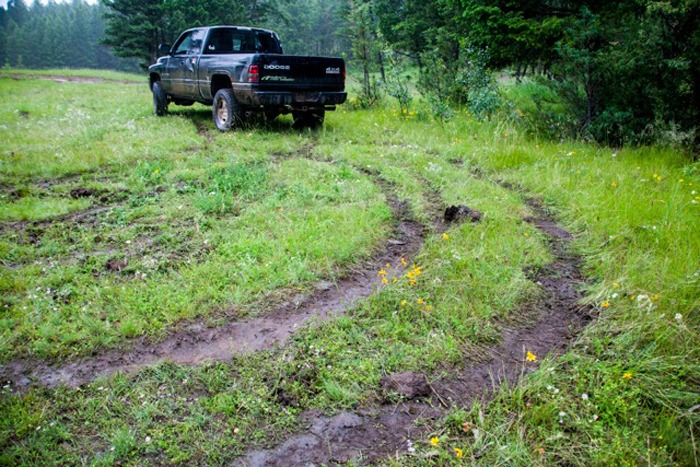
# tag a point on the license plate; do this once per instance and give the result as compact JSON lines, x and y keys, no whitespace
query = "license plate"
{"x":306,"y":97}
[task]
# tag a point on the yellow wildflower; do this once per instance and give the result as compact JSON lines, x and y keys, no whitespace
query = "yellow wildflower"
{"x":605,"y":304}
{"x":388,"y":265}
{"x":385,"y":280}
{"x":530,"y":357}
{"x":428,"y":308}
{"x":445,"y":236}
{"x":434,"y":440}
{"x":412,"y":282}
{"x":420,"y":301}
{"x":404,"y":302}
{"x":382,"y":272}
{"x":403,"y":262}
{"x":613,"y":184}
{"x":627,"y":376}
{"x":458,"y":453}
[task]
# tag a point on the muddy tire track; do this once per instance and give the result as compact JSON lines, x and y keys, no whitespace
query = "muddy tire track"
{"x":369,"y":435}
{"x":203,"y":131}
{"x":364,"y":437}
{"x":103,"y":200}
{"x":195,"y":343}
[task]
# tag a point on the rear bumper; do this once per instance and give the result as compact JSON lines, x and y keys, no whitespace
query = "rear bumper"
{"x":300,"y":99}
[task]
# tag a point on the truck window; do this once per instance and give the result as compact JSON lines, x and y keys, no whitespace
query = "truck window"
{"x":268,"y":43}
{"x":190,"y":43}
{"x":232,"y":40}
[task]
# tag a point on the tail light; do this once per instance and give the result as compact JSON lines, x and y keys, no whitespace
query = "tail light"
{"x":343,"y":75}
{"x":254,"y":74}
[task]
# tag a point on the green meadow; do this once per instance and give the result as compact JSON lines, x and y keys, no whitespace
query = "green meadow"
{"x":116,"y":224}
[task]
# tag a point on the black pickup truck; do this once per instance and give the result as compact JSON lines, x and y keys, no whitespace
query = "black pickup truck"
{"x":242,"y":72}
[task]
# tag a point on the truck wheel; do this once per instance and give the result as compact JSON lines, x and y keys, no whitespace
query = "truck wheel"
{"x":160,"y":99}
{"x":309,"y":119}
{"x":225,"y":110}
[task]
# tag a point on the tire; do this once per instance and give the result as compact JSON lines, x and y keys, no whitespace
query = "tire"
{"x":225,"y":110}
{"x":160,"y":99}
{"x":309,"y":119}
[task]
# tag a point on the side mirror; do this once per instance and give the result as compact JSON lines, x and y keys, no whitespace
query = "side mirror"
{"x":163,"y":49}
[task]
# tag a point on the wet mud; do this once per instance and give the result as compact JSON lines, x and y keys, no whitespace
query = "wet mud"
{"x":387,"y":430}
{"x":364,"y":437}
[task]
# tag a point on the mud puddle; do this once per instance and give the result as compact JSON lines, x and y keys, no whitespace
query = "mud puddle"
{"x":362,"y":437}
{"x":373,"y":434}
{"x":196,"y":343}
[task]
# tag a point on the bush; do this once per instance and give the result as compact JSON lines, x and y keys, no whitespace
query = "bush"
{"x":461,"y":79}
{"x":630,"y":76}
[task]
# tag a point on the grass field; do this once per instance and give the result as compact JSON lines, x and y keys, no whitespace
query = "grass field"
{"x":117,"y":225}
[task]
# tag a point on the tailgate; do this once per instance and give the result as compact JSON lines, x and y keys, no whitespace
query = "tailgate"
{"x":292,"y":72}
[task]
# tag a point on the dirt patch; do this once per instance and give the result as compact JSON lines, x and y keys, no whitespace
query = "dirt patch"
{"x":362,"y":437}
{"x":460,"y":213}
{"x":82,"y":192}
{"x":116,"y":265}
{"x":202,"y":130}
{"x":66,"y":79}
{"x":370,"y":435}
{"x":408,"y":385}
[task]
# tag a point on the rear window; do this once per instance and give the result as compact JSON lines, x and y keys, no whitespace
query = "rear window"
{"x":233,"y":40}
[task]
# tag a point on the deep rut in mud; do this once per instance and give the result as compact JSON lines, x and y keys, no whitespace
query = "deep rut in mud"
{"x":371,"y":434}
{"x":195,"y":343}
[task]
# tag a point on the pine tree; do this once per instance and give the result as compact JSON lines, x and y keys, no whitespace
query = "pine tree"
{"x":134,"y":28}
